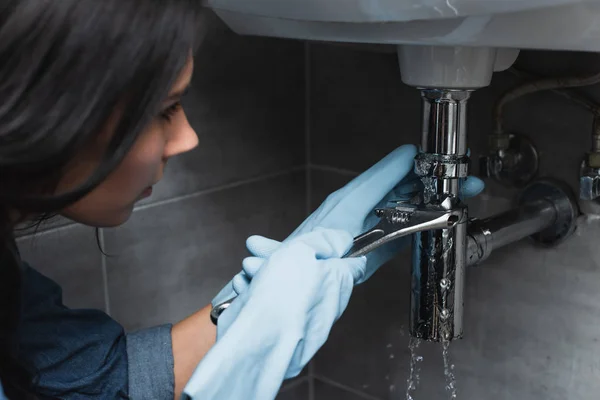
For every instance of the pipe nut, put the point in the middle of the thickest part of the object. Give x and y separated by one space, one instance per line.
589 187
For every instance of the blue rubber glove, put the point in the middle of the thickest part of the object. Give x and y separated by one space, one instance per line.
234 287
279 323
351 208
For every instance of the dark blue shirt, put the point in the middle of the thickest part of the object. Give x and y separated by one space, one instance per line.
85 354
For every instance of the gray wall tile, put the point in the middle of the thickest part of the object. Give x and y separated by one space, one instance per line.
298 391
358 103
247 106
325 391
71 257
170 260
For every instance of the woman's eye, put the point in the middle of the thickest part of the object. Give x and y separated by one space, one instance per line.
168 113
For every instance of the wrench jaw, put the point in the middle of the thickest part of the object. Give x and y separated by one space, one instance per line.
405 219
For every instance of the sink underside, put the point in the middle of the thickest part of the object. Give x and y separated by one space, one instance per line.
524 24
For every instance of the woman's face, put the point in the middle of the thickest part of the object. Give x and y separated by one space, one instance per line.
112 202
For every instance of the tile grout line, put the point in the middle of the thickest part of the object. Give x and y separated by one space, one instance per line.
346 388
47 231
341 171
104 271
307 130
294 384
308 177
219 188
38 230
202 192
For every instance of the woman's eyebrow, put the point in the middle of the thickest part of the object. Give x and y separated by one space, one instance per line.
178 94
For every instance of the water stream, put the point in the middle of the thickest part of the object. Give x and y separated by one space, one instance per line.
412 383
449 370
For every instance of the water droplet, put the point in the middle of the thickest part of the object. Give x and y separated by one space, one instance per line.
391 356
448 368
392 388
413 378
429 187
389 346
444 314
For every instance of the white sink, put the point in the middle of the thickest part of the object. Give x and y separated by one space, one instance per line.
524 24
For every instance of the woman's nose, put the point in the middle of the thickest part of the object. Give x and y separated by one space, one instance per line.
182 139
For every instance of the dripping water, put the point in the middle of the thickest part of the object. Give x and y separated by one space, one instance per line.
429 188
449 370
412 383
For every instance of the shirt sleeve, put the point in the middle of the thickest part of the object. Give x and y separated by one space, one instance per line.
75 354
151 369
85 354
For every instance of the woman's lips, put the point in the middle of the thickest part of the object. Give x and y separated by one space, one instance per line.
147 192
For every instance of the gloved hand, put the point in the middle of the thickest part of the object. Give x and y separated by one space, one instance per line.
279 323
351 208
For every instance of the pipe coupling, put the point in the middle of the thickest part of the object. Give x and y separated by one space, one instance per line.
480 242
441 166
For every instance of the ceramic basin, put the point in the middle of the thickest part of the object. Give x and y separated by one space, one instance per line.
523 24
